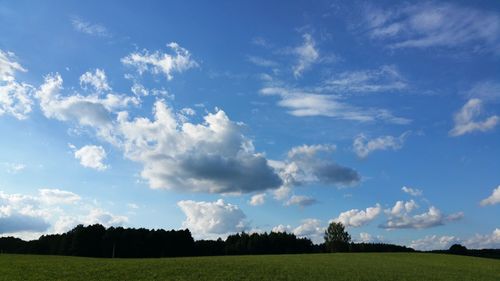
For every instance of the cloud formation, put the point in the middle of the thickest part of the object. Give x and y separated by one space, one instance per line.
363 146
159 62
384 79
214 156
88 28
357 218
312 164
306 53
92 156
465 119
493 199
401 217
301 201
15 97
304 103
208 219
258 199
412 191
435 24
97 80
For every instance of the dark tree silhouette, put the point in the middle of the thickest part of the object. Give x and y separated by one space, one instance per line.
337 238
458 249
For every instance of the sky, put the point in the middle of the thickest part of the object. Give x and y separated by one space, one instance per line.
229 116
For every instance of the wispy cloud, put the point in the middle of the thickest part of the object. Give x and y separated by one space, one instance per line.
306 53
303 103
86 27
466 119
363 146
435 24
386 78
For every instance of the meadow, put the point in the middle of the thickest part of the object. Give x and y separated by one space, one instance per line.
338 266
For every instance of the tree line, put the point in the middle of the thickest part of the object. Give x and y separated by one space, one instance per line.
98 241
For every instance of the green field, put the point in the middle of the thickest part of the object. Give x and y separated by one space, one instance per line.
355 266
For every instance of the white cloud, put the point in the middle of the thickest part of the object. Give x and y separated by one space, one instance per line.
436 24
412 191
307 54
301 200
57 196
434 242
478 241
365 237
92 156
493 199
214 156
21 213
89 110
400 217
206 219
159 62
384 79
282 228
258 199
13 168
104 217
97 80
465 119
282 192
89 28
363 146
357 218
15 97
402 207
262 61
491 241
303 103
310 228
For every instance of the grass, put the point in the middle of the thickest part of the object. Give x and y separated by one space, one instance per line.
355 266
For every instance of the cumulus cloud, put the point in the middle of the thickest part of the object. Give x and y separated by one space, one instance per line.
491 241
15 97
94 110
257 199
206 219
214 156
434 242
357 218
465 119
365 237
97 80
164 63
307 54
493 199
92 156
435 24
301 200
57 196
304 103
313 164
401 217
478 241
364 146
21 213
412 191
384 79
88 28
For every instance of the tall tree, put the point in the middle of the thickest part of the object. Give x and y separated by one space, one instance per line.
337 238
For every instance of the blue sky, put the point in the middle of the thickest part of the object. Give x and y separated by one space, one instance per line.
226 116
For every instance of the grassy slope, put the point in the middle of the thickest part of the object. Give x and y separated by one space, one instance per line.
376 266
